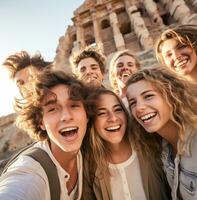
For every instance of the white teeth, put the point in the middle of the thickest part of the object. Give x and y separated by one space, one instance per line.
145 117
68 129
113 128
181 63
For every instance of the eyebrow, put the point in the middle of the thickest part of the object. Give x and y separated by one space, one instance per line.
49 102
104 108
141 94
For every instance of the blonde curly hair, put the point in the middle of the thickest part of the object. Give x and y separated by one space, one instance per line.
179 94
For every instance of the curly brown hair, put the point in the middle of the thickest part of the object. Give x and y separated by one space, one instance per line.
30 109
89 52
185 34
21 60
180 95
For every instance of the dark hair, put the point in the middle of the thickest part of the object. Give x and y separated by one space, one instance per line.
21 60
29 109
90 52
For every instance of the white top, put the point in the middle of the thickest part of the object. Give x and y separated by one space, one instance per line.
126 181
26 179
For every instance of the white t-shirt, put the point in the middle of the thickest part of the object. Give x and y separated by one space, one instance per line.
26 179
126 181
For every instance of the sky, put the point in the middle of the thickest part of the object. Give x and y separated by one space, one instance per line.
31 25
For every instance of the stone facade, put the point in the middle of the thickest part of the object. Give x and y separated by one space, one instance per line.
119 24
111 25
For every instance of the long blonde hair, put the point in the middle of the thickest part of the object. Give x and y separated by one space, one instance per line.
179 94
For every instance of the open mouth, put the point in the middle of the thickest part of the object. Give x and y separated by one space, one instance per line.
69 132
181 64
146 118
113 128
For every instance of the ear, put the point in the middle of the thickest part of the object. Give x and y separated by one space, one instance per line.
42 126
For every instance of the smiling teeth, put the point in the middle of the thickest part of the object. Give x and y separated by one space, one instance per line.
68 129
148 116
113 128
181 63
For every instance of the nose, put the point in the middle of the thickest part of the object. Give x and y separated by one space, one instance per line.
124 68
140 107
66 115
89 70
112 117
176 54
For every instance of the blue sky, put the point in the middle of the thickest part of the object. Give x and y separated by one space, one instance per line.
31 25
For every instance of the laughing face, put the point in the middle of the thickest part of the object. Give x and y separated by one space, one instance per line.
110 121
179 57
88 70
65 120
148 106
125 67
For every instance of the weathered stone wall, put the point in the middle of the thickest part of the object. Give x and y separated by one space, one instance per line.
112 25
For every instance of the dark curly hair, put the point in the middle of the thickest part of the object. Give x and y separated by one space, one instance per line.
29 109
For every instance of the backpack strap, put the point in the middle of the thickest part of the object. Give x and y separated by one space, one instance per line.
47 164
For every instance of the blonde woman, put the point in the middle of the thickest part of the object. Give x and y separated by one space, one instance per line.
122 66
177 49
164 104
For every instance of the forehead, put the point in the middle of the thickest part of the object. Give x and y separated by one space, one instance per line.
125 58
57 93
106 100
139 87
87 61
169 44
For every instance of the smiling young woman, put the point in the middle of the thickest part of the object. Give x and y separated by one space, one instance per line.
165 104
177 49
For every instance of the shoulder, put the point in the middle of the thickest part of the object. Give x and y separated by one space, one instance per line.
24 179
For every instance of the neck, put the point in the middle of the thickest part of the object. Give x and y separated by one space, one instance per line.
193 75
122 92
170 133
68 161
120 152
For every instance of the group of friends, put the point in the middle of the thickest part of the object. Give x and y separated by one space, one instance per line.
137 142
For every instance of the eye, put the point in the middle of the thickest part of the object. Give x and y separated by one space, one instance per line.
20 82
132 104
181 46
168 55
149 96
101 113
83 69
118 109
94 67
52 109
130 64
119 65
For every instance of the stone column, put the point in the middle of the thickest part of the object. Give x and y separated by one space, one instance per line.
119 40
139 26
62 53
180 11
152 10
97 32
80 43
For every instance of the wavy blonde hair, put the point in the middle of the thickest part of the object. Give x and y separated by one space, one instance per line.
112 67
179 94
184 34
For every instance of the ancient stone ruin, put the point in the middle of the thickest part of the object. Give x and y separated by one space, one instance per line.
111 25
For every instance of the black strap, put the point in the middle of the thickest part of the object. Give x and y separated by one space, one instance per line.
47 164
